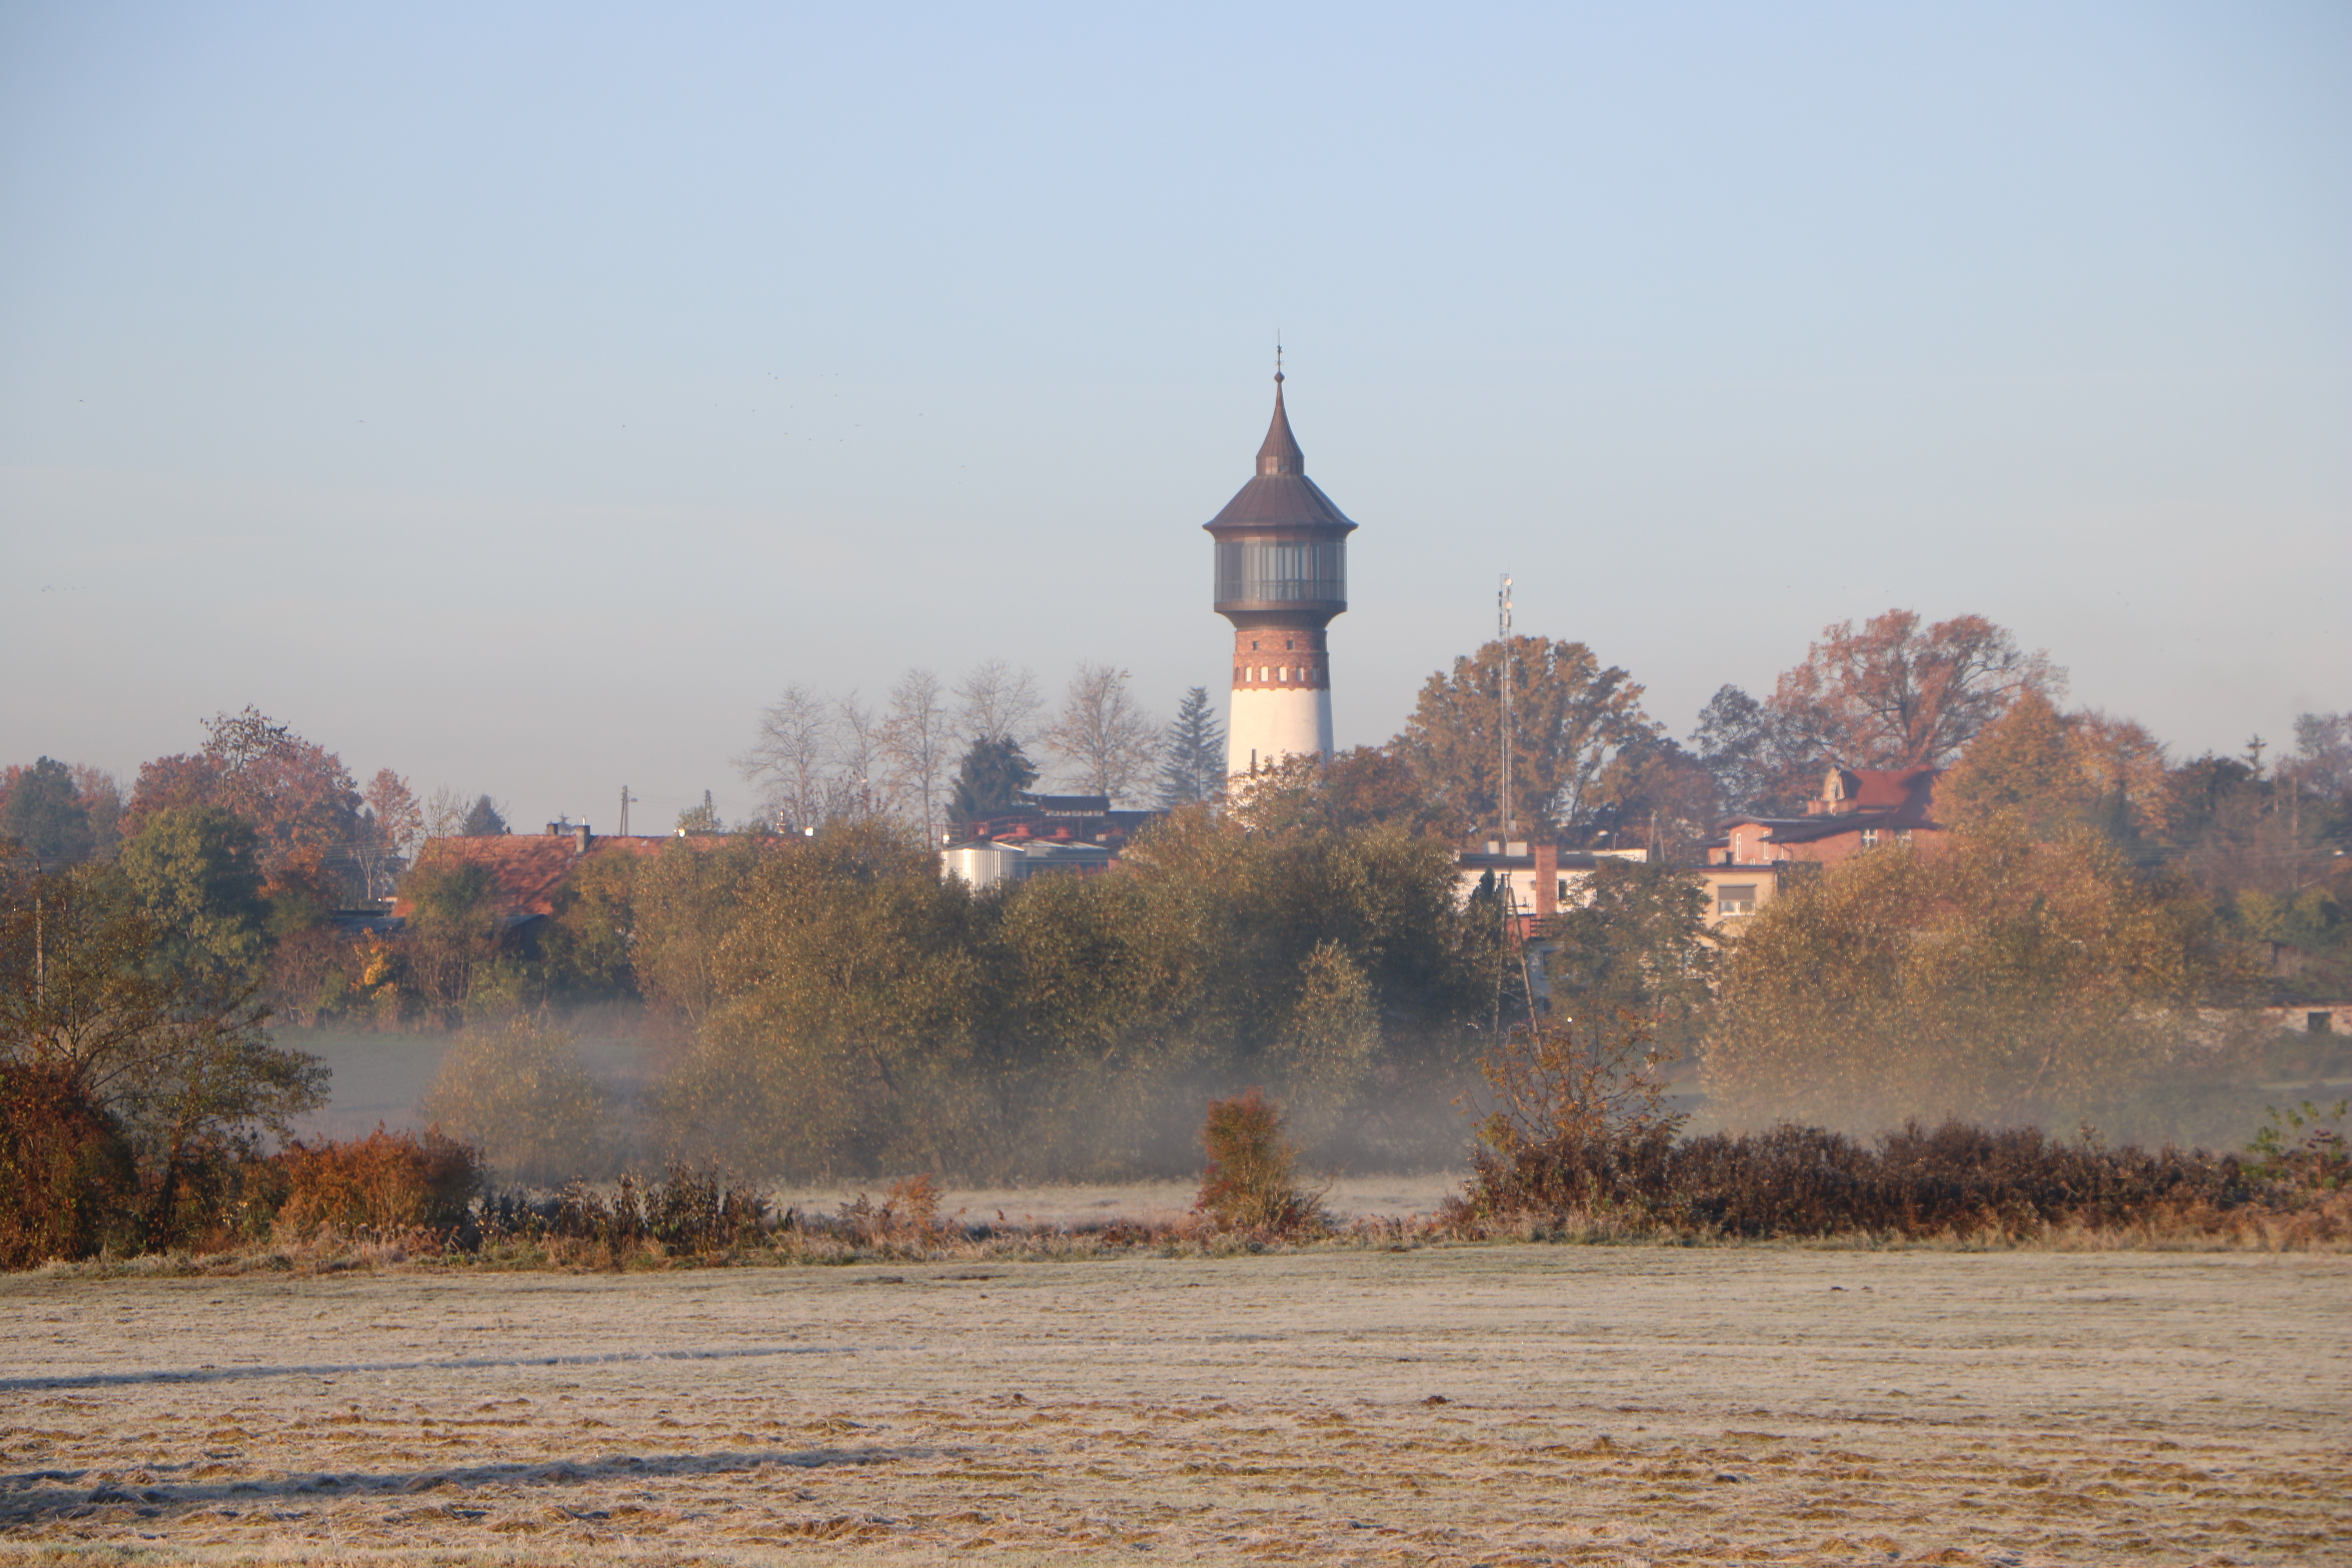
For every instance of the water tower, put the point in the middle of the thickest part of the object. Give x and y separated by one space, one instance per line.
1282 574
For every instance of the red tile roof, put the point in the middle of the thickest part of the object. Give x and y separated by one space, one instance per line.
1890 789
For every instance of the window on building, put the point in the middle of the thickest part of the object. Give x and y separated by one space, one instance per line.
2319 1023
1870 838
1261 572
1734 898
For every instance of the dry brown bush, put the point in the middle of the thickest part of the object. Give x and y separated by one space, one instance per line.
67 1177
387 1185
691 1213
909 1215
1252 1180
1912 1183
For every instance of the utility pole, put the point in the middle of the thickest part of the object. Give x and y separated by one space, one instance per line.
1503 637
626 798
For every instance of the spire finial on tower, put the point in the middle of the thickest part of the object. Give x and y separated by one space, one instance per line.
1280 455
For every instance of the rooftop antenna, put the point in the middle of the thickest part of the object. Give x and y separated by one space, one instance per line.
626 798
1502 636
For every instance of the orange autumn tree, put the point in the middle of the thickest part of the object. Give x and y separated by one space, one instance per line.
1896 694
296 794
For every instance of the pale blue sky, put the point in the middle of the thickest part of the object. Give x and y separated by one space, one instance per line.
520 397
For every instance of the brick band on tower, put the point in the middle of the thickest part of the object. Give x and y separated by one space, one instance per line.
1281 576
1272 657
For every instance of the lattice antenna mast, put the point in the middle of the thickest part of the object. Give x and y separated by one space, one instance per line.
1502 636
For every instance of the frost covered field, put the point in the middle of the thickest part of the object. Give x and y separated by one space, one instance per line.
1470 1404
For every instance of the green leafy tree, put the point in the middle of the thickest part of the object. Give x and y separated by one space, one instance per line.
174 1051
590 945
453 936
1569 717
687 905
43 811
1748 757
1193 756
521 1095
1635 943
1331 1040
101 796
2322 762
851 1011
197 869
838 1021
1365 787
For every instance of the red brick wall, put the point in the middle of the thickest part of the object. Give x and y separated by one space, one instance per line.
1280 657
1846 846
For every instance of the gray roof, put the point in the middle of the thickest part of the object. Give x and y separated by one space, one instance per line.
1281 495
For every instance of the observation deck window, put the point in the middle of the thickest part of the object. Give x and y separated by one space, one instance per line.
1274 571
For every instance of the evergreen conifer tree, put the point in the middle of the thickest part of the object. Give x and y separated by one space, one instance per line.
1194 768
990 779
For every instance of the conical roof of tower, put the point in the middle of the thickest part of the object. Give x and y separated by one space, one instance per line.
1281 495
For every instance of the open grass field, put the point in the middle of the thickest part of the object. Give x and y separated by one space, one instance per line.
1506 1404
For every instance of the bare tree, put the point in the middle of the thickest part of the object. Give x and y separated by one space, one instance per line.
791 759
915 742
861 786
445 813
997 702
1105 743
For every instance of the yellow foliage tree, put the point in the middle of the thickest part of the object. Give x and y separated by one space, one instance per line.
1999 978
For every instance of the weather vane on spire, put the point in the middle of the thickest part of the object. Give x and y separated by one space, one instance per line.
1277 353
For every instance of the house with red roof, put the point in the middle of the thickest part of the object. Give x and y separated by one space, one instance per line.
1858 810
527 871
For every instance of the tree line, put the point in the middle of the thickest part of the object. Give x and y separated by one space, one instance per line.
838 1007
933 754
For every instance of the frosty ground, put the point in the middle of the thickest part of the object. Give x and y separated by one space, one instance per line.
1493 1404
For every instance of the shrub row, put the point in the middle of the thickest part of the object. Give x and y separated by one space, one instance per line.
1911 1183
